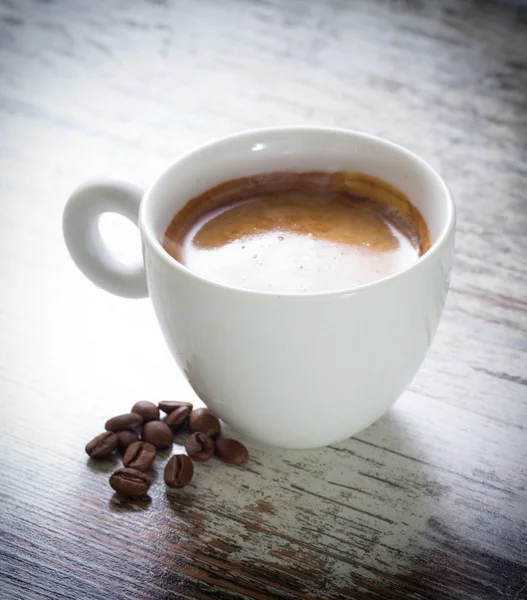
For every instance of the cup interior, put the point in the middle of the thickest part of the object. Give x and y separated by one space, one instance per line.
300 149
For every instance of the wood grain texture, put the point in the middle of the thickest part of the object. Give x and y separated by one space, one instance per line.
428 503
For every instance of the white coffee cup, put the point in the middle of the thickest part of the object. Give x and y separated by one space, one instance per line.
291 370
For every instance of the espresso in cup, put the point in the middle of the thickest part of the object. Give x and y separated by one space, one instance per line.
298 232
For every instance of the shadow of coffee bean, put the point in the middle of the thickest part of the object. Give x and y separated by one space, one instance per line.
119 503
163 455
180 437
181 496
154 474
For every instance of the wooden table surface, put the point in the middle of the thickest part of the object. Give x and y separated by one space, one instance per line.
431 501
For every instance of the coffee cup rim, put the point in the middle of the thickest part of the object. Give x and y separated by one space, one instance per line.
155 245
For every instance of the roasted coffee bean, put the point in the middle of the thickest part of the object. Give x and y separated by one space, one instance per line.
231 451
130 482
178 471
158 434
201 419
148 410
127 421
102 445
125 438
177 417
199 446
167 406
139 455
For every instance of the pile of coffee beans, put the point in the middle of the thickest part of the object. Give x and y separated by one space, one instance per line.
139 434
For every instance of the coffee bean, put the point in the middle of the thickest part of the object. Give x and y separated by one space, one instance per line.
147 410
130 482
231 451
201 419
127 421
167 406
102 445
125 438
139 455
177 417
178 471
199 446
158 434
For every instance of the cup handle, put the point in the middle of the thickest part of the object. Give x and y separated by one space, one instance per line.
80 224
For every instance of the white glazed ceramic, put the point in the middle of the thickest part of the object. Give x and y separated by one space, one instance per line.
292 370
